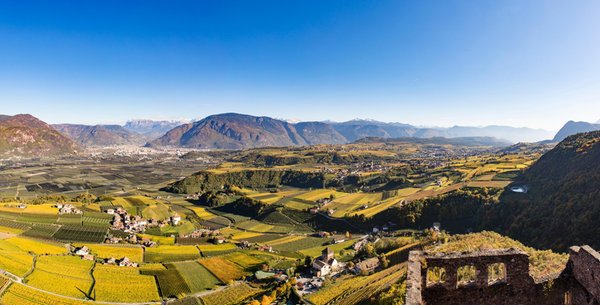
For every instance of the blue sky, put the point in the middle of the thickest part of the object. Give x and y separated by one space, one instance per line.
434 63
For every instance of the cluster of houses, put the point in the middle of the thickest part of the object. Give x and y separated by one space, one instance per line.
130 238
67 209
244 244
326 264
84 253
136 224
199 233
124 222
320 204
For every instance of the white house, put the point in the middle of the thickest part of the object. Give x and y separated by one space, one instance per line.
82 251
326 263
175 219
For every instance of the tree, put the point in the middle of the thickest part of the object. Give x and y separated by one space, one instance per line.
265 300
308 261
368 250
383 261
350 265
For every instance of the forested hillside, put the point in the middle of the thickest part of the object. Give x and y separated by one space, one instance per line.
562 206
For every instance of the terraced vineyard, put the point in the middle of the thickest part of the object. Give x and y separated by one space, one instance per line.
359 288
222 269
123 284
133 252
171 254
171 282
23 295
196 276
65 275
230 296
74 233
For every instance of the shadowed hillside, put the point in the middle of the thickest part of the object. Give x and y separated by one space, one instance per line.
562 205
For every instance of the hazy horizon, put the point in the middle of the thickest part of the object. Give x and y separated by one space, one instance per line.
513 63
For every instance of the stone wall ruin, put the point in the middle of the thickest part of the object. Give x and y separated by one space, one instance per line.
500 277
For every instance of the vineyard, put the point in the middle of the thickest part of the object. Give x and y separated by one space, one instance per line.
196 276
45 231
212 250
231 295
133 252
171 282
353 290
74 233
37 247
171 254
123 284
23 295
222 269
244 260
65 275
15 262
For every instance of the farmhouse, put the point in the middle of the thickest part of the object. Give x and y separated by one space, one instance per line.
175 219
326 263
82 251
367 265
219 239
126 262
265 248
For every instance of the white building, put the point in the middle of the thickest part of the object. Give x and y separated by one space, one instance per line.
326 263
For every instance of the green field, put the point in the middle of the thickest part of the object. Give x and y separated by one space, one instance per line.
196 276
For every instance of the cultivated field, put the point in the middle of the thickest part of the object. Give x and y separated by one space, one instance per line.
123 284
171 254
222 269
65 275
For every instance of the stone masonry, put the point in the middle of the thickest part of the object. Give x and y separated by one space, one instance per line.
578 284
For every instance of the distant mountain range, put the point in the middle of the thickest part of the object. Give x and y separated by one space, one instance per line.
357 129
459 141
23 135
134 132
233 130
238 131
100 135
572 128
151 129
